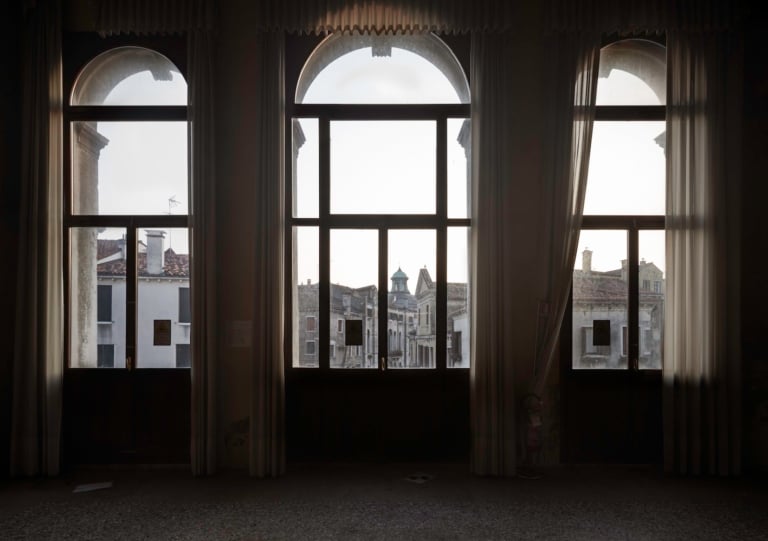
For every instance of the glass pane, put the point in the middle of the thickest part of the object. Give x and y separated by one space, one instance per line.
130 76
382 69
411 316
306 297
632 72
651 282
164 300
97 297
129 168
306 165
354 298
627 169
600 293
459 148
383 167
459 317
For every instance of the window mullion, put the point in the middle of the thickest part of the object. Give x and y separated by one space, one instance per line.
634 298
324 307
441 304
131 306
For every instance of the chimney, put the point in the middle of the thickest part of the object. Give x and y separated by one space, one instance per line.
155 251
586 260
309 281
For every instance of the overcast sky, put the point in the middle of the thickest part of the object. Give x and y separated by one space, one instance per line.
384 167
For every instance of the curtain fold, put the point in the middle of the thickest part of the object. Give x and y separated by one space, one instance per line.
702 362
267 431
574 81
492 397
39 333
202 226
385 16
155 16
645 16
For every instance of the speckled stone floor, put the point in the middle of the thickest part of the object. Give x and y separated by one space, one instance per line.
388 502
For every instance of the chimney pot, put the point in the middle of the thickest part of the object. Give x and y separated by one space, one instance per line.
155 251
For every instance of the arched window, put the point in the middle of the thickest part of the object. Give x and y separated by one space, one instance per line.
126 212
617 321
379 163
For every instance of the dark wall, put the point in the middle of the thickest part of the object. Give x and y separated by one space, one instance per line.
10 163
755 243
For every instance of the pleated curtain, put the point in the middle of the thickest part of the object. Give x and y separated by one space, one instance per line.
196 19
267 425
574 74
39 334
702 360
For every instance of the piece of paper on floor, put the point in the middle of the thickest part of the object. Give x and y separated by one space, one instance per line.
89 487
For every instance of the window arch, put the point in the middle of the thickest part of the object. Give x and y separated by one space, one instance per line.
379 168
126 211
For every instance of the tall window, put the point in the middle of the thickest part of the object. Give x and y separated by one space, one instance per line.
378 203
621 246
126 210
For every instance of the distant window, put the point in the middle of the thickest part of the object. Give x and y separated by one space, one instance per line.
340 326
647 285
311 323
185 313
310 347
183 357
105 356
657 286
104 309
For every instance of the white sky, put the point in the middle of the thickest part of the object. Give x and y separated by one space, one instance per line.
384 166
143 168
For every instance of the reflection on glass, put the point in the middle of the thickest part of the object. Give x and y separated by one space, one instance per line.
383 167
600 295
459 148
354 298
306 297
651 282
129 168
306 165
97 297
411 315
130 76
632 72
627 169
164 307
459 317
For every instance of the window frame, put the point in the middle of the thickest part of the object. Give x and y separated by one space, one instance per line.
78 49
633 225
298 51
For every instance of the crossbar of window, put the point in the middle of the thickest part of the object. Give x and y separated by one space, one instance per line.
380 112
105 113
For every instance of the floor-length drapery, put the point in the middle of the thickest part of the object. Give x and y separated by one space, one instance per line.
267 430
702 363
574 84
38 357
202 226
492 397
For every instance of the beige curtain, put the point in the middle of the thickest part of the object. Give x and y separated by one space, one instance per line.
377 16
574 82
202 226
196 18
702 362
492 397
267 426
39 338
